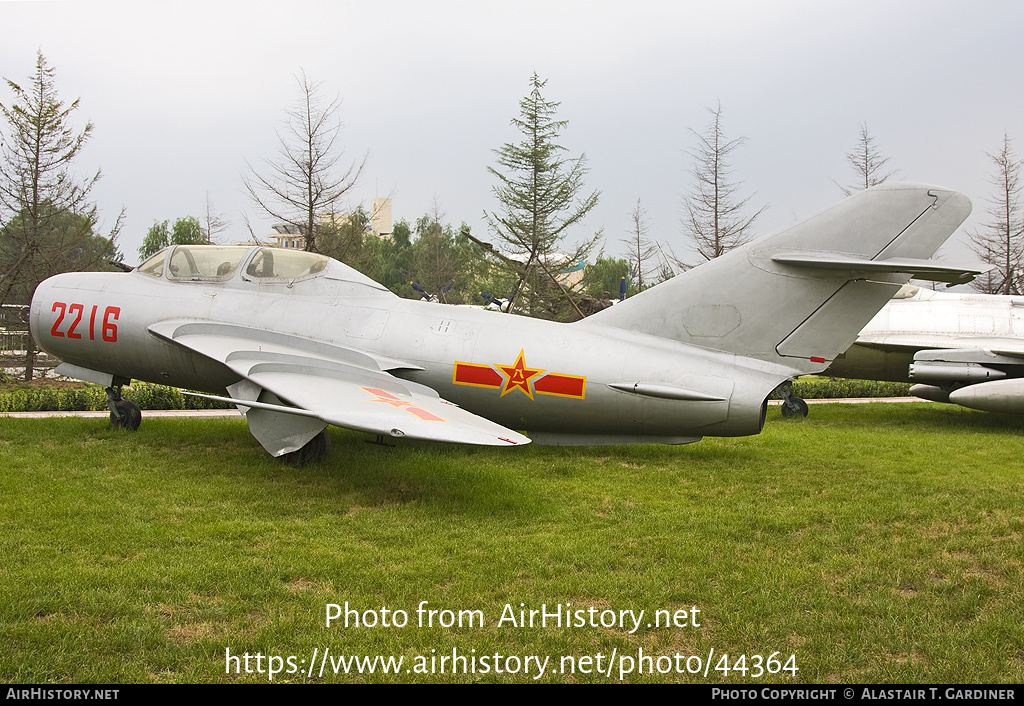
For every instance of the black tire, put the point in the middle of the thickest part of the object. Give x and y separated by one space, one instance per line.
316 449
794 407
801 407
129 417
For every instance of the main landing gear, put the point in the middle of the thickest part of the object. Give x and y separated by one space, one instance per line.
792 406
124 414
316 449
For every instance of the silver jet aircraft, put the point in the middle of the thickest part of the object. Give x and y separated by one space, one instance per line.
299 341
967 349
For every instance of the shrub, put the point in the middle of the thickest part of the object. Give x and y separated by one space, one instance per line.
838 388
94 398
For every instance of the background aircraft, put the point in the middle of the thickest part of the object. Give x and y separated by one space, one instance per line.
300 341
962 348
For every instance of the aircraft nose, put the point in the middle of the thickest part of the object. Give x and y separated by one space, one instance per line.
41 300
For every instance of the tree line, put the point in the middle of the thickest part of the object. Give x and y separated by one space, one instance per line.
49 224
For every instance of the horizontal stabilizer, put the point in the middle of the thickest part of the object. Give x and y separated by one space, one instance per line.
930 270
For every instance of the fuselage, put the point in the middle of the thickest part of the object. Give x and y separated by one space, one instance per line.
922 319
574 379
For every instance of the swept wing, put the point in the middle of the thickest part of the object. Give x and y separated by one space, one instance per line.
317 383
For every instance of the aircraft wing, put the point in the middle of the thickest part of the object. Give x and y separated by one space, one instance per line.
911 342
330 383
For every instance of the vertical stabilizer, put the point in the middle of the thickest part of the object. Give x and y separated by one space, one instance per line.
801 295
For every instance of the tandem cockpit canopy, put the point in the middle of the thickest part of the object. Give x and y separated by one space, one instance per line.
276 263
221 262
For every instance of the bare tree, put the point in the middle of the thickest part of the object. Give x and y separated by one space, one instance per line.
305 180
1000 241
642 250
213 222
714 215
867 161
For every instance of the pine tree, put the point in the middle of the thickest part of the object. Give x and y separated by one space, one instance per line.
541 195
49 222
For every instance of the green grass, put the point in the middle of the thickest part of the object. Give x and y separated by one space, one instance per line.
877 543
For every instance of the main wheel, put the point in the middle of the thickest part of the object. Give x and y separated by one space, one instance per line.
129 415
316 449
794 407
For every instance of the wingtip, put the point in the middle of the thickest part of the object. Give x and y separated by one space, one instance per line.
522 441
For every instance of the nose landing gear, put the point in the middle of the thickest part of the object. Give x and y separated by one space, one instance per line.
124 414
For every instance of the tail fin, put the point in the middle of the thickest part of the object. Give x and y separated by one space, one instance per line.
800 296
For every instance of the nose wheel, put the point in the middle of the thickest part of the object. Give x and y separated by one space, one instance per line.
124 414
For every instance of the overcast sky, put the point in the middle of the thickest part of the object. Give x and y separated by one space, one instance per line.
183 94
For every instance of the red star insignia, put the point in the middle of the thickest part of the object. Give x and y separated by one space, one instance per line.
519 376
386 398
389 399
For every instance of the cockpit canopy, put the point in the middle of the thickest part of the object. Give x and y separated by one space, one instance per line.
276 263
219 263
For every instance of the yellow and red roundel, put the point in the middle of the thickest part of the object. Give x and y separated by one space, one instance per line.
519 376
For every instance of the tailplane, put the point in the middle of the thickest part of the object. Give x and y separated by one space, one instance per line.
800 296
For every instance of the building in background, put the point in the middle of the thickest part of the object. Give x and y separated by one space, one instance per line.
380 217
286 235
290 236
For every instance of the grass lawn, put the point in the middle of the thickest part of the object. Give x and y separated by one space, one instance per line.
876 543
